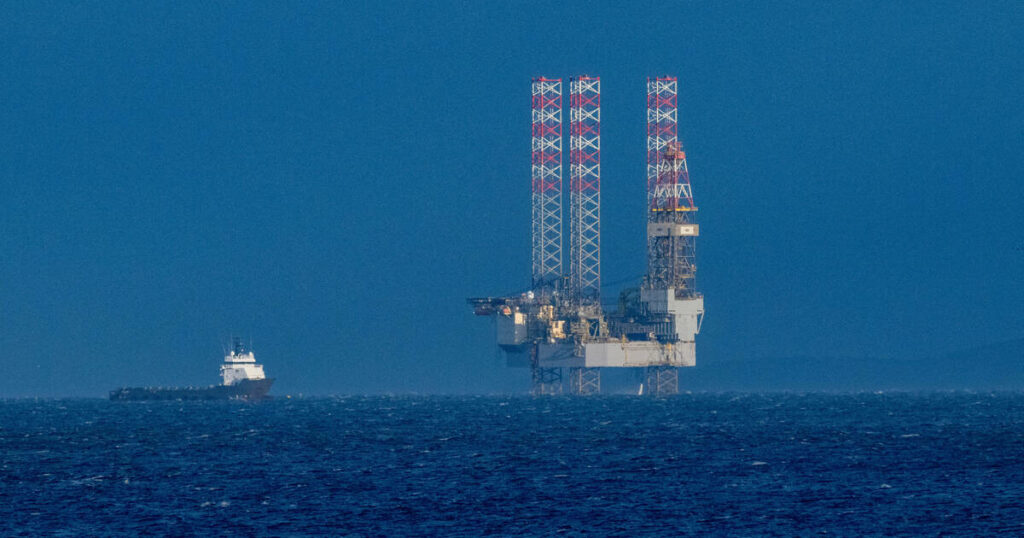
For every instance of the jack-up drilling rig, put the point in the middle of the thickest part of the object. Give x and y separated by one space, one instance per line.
558 328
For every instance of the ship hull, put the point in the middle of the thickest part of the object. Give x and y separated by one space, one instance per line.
248 389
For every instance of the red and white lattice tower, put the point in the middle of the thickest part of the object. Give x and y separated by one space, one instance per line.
547 184
585 193
671 214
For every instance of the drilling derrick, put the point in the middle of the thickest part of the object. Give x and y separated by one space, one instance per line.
558 327
668 296
671 226
547 185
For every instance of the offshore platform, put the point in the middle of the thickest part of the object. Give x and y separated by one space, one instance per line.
558 328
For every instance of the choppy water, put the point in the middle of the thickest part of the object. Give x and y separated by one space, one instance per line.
729 464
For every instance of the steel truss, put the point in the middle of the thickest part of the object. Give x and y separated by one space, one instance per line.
670 254
584 381
585 194
547 184
546 381
661 380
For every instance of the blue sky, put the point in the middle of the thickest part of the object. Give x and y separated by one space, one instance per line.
333 179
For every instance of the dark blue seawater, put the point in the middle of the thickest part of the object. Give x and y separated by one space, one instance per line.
771 464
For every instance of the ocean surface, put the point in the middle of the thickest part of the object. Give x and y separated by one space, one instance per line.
732 464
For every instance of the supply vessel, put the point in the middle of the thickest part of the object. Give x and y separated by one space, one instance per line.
242 378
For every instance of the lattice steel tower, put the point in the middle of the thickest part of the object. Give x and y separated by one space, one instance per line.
671 214
547 184
585 194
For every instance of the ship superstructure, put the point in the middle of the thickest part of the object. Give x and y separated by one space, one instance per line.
558 329
239 365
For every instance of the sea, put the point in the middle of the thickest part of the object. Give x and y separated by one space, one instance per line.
774 464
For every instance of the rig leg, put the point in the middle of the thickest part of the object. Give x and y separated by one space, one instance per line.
546 381
662 380
583 381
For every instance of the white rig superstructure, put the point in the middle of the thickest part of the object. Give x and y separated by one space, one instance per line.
240 365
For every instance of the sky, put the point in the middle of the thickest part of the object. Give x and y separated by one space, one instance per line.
332 180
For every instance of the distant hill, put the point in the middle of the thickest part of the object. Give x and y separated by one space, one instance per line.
998 366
